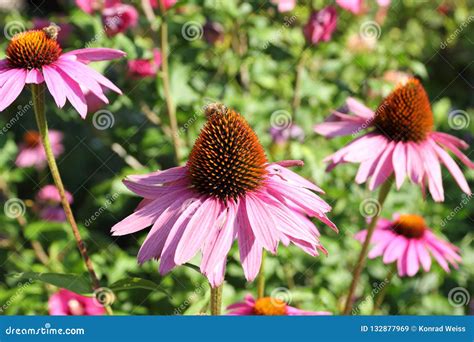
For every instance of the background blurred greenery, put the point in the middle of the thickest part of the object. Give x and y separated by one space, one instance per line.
253 69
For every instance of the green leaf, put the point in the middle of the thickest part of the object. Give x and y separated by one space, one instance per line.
137 283
34 230
73 282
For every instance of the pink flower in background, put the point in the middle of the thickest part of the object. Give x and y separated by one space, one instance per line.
139 68
401 141
357 6
226 191
90 6
321 25
49 203
213 32
65 29
167 4
409 242
31 151
119 18
36 57
67 303
285 5
268 306
281 135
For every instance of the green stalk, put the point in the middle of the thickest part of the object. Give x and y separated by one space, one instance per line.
216 300
261 279
39 107
384 190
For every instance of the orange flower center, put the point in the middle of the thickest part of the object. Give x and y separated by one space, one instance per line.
268 306
32 49
405 114
227 159
31 138
411 226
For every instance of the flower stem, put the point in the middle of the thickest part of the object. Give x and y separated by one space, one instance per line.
171 109
381 295
261 279
39 107
216 300
384 190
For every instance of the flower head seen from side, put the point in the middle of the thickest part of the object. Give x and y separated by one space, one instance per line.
67 303
321 25
31 151
227 190
268 306
35 56
400 141
409 242
49 204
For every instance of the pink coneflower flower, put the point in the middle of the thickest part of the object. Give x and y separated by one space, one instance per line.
226 191
35 57
284 5
119 18
401 141
281 134
268 306
357 6
67 303
49 203
321 25
140 68
31 151
167 4
409 242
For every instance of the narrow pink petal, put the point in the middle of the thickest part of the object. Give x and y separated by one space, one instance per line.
400 163
359 109
365 148
74 93
451 139
384 167
291 177
439 258
34 76
12 88
395 249
151 192
433 171
402 265
412 258
96 54
160 177
367 168
423 255
55 85
249 248
339 125
379 248
261 221
448 143
6 74
452 167
203 221
415 166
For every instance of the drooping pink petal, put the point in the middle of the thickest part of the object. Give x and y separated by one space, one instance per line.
292 178
74 93
450 145
395 249
34 76
412 259
261 221
400 163
160 177
384 167
249 248
423 255
6 74
433 171
95 54
203 221
55 84
415 166
12 88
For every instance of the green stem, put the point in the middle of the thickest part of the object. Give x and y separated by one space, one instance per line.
384 190
171 109
39 106
216 300
261 278
381 294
